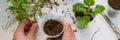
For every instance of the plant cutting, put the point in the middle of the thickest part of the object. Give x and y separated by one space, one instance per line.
84 13
25 9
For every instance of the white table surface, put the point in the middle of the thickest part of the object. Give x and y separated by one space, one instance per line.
105 32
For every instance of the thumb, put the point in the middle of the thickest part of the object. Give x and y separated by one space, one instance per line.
32 30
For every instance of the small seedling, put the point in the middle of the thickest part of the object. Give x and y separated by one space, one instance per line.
84 13
25 9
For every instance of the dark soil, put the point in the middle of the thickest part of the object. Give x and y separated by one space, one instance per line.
52 27
80 14
91 18
115 4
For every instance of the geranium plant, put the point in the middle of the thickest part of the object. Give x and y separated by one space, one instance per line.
25 9
84 13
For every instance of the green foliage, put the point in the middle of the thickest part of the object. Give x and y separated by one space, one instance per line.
83 21
11 8
79 7
98 9
8 0
21 7
41 0
20 17
89 2
86 10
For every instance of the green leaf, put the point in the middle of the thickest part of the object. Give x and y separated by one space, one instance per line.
41 0
83 21
25 6
22 8
93 14
11 8
8 0
99 8
89 2
23 1
20 17
79 7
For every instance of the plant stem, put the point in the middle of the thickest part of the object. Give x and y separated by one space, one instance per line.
88 10
28 19
34 12
26 16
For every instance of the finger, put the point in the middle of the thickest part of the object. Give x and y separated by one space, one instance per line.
49 38
19 30
73 35
33 30
67 27
68 32
28 23
27 26
21 26
33 21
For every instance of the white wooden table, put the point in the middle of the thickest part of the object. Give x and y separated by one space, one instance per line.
104 31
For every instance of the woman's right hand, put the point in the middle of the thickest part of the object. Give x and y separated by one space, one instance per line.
68 33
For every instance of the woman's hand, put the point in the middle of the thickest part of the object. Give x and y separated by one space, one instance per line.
20 31
19 34
68 33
